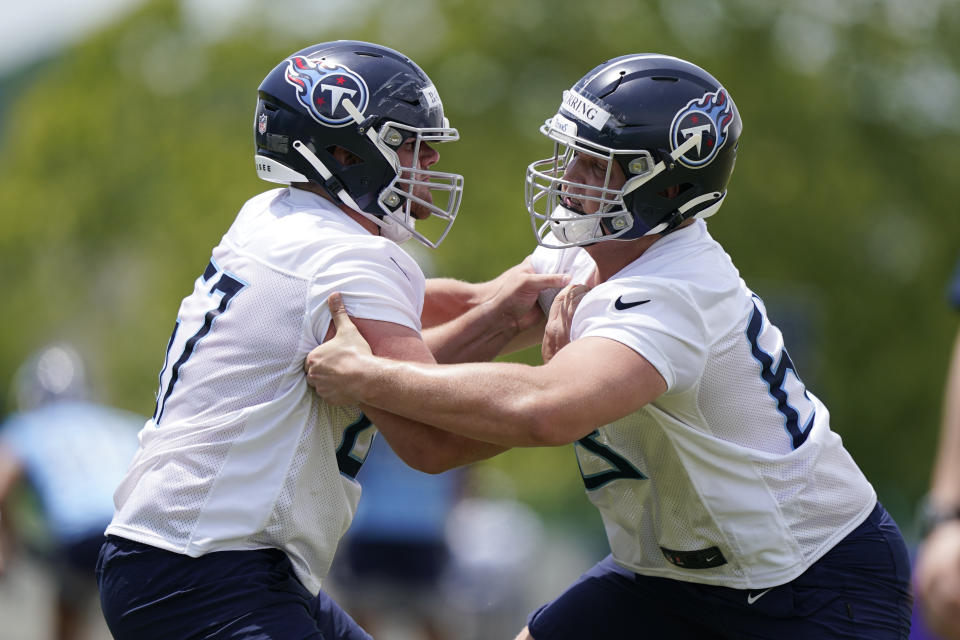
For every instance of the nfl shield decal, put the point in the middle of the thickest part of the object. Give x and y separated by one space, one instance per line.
322 89
710 116
262 123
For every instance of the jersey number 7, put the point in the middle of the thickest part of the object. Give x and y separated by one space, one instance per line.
227 285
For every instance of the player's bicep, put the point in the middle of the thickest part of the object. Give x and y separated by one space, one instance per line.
390 340
421 446
599 380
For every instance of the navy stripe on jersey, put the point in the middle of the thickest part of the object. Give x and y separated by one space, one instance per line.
775 379
350 464
229 286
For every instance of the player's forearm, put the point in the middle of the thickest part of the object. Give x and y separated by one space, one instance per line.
945 487
501 403
427 448
446 299
478 335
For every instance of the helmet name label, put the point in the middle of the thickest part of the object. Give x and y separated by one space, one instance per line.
584 109
431 97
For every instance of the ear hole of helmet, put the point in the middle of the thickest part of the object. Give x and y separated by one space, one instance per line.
343 156
674 191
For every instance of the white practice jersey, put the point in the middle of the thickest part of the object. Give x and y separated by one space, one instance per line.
241 453
733 476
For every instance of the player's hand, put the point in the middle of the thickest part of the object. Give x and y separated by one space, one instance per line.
329 367
937 580
557 333
514 293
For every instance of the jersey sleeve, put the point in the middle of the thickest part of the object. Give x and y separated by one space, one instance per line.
377 281
654 319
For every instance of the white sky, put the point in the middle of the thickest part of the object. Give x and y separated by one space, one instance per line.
33 28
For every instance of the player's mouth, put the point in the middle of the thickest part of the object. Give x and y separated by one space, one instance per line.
573 204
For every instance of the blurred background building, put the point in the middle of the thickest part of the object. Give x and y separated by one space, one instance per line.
125 151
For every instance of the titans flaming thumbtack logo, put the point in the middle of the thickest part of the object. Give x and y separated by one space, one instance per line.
322 87
709 116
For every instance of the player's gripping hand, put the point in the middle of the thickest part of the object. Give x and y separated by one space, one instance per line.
937 580
514 293
331 368
557 333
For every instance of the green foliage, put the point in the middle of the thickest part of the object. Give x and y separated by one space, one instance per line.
127 157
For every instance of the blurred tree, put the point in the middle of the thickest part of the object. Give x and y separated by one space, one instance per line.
127 156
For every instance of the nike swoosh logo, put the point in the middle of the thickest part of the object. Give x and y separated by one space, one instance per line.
753 598
621 305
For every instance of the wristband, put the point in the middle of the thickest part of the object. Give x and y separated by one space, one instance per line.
931 517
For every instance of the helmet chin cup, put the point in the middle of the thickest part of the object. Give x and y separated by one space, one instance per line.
574 228
393 229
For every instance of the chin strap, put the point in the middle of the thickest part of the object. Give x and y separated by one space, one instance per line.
680 214
389 227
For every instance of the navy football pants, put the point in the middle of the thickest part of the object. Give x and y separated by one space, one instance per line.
859 590
149 593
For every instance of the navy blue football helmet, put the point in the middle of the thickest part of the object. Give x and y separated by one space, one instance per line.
369 100
669 125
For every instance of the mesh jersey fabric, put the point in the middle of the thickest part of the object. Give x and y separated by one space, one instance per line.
241 454
737 454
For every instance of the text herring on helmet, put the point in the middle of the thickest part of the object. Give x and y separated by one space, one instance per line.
670 126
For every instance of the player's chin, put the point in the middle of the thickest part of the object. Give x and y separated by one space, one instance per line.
420 211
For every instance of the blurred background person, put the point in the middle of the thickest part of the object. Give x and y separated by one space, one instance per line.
66 454
388 574
448 556
937 573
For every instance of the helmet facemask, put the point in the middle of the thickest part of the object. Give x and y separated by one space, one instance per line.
414 191
417 194
557 225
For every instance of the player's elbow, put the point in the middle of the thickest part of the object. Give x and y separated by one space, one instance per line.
423 459
543 428
544 433
437 454
432 464
553 425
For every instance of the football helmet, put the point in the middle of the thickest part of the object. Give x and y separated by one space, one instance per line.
368 100
671 128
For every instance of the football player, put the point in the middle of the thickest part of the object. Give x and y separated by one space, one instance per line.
731 507
938 560
69 452
245 480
